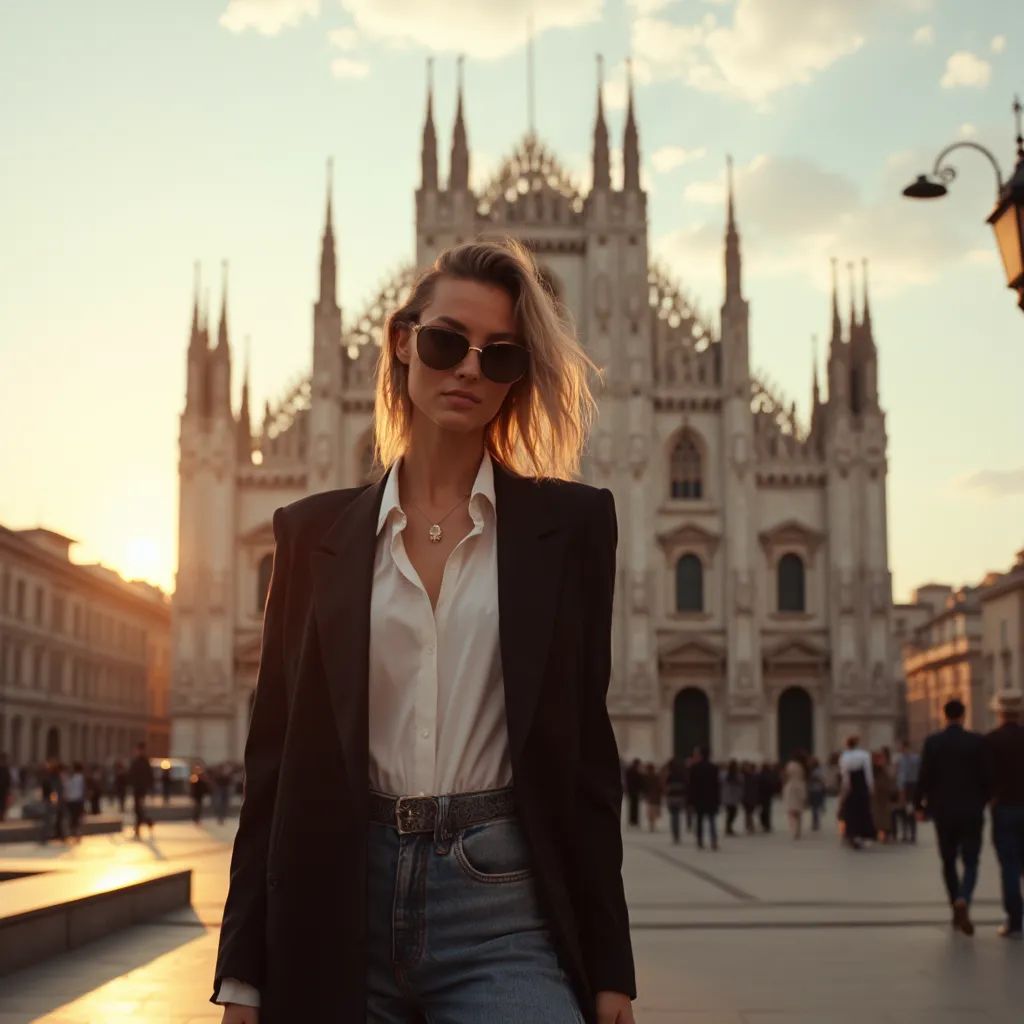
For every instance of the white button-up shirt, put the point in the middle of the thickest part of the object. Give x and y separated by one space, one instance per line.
437 697
437 702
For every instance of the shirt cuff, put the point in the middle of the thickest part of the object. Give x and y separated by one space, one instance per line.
234 991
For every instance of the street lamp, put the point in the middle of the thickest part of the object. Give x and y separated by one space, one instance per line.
1007 218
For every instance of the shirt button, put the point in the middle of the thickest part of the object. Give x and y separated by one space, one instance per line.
430 648
424 733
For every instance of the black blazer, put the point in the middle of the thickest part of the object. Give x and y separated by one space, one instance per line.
954 782
294 923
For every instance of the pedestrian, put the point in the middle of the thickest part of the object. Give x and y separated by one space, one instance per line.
732 795
634 791
166 782
94 788
855 788
221 792
675 795
817 789
794 792
750 796
654 792
953 787
881 795
906 783
198 788
5 785
767 787
389 863
140 777
74 800
706 796
1005 746
120 784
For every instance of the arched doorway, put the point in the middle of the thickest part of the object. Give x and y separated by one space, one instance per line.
796 722
692 721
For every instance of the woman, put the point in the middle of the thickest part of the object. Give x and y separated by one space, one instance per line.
751 796
429 737
855 788
816 791
794 792
881 795
732 795
654 792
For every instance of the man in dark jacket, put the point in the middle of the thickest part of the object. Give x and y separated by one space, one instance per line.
140 778
705 795
1006 755
634 790
953 788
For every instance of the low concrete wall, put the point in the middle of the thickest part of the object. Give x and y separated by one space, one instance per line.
28 830
52 912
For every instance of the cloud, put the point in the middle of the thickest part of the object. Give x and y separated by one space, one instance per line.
998 44
483 31
924 36
967 130
795 215
346 67
616 84
993 483
966 69
268 17
344 38
767 46
668 158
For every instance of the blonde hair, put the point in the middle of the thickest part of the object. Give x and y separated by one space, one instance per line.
546 416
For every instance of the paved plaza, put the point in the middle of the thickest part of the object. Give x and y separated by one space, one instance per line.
766 930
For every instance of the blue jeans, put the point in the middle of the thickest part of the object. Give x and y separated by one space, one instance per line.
456 933
1008 837
959 838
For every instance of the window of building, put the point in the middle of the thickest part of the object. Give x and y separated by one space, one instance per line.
685 468
689 584
19 599
39 605
791 589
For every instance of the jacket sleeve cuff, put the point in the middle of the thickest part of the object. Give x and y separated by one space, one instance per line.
232 990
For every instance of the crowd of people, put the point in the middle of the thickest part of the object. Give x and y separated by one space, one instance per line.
881 797
61 794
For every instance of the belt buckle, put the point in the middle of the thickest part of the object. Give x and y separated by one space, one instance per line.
405 809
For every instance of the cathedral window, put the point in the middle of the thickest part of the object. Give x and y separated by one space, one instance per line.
685 468
263 581
689 584
791 589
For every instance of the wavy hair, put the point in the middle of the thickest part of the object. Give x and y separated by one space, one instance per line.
543 423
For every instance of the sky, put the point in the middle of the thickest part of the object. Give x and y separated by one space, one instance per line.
141 138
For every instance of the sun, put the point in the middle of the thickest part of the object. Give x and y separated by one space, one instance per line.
144 559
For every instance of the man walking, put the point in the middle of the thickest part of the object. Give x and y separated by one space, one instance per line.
953 787
1006 753
140 777
705 795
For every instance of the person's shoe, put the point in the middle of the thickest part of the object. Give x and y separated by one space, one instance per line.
1004 931
962 917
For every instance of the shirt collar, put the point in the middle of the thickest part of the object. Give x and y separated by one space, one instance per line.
483 487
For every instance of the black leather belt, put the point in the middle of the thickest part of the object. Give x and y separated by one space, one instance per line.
419 813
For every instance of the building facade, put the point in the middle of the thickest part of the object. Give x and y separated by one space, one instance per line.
753 604
84 655
1002 631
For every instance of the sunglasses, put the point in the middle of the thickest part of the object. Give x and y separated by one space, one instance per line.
441 348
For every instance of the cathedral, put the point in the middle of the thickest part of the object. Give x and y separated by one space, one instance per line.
753 603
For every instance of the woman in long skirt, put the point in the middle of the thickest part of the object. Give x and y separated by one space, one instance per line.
856 785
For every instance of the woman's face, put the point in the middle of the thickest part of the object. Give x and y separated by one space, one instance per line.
460 399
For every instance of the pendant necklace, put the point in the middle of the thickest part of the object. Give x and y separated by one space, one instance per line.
435 533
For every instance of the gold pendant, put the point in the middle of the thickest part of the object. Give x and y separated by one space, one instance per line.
435 533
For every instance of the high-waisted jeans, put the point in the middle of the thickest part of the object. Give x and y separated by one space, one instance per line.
456 934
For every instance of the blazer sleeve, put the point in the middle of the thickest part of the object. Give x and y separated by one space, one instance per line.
596 888
242 941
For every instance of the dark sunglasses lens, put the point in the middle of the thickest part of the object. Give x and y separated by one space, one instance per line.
440 349
504 363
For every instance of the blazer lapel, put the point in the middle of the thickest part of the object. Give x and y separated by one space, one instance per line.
530 548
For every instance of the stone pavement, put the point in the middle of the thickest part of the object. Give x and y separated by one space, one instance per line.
766 931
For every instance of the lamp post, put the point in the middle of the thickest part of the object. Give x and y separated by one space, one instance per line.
1006 218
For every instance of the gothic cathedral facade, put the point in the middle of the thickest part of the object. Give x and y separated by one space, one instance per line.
753 604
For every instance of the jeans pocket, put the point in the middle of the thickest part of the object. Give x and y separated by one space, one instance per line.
495 852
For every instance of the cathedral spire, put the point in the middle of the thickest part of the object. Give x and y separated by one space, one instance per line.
328 266
733 265
853 301
602 172
194 338
428 156
222 327
815 391
866 311
458 176
244 431
630 142
837 327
